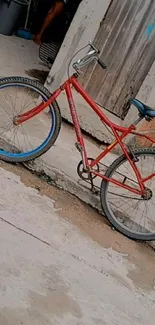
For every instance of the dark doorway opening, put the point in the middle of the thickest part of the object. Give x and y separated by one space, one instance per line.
56 32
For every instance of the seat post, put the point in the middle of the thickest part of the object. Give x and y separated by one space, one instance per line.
140 118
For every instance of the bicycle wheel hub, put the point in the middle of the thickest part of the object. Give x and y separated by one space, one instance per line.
15 120
147 195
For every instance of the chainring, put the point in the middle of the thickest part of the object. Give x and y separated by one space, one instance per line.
87 175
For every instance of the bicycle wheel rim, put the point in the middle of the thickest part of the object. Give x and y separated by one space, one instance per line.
39 148
106 205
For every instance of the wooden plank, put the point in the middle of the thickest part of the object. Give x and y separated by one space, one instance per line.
127 51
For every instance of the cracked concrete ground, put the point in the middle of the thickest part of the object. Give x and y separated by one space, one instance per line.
62 264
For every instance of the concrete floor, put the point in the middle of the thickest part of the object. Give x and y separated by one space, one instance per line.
18 57
56 269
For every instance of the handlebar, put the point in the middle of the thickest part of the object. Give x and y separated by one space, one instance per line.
92 55
101 63
94 48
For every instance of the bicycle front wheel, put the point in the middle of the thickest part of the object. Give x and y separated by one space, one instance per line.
129 213
29 140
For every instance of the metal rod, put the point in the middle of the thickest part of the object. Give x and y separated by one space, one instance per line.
28 12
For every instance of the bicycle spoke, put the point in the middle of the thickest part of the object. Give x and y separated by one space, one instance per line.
7 103
27 137
134 212
18 96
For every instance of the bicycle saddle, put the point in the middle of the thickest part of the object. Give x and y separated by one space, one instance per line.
143 109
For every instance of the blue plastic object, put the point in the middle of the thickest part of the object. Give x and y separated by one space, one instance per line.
24 33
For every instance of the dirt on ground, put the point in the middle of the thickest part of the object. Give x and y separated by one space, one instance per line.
94 225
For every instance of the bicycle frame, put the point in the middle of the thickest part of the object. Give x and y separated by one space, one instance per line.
119 132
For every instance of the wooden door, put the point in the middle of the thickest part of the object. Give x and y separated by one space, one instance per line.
126 39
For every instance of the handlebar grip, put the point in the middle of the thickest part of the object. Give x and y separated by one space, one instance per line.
101 63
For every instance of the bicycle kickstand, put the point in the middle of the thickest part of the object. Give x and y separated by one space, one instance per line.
93 189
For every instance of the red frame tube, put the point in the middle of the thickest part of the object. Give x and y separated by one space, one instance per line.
36 110
115 129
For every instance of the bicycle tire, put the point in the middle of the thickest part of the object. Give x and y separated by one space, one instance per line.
54 113
119 226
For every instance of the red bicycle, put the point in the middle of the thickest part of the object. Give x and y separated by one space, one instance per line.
127 186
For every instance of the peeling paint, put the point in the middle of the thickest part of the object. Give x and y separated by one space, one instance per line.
150 29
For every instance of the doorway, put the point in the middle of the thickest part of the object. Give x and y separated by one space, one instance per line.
56 31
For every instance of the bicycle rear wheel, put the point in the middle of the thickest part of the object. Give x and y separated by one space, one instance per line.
129 213
35 136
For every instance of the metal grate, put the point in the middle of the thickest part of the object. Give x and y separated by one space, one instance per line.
48 52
